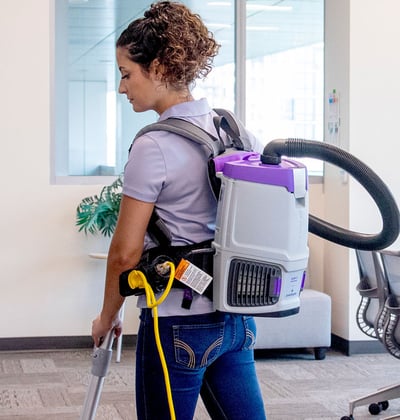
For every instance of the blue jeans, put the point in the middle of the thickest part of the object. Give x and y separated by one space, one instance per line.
211 354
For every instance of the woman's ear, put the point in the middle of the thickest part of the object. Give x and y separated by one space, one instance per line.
156 69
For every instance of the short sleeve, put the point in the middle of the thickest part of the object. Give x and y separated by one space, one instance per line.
145 171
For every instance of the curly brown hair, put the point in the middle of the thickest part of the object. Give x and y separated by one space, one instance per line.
176 37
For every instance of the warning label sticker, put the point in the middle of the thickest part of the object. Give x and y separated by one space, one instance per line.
192 276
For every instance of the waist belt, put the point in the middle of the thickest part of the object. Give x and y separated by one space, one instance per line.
201 255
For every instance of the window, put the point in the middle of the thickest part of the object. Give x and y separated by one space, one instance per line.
94 125
284 71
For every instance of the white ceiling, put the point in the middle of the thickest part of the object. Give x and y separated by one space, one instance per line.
94 25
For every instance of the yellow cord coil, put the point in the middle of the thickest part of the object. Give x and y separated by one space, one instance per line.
137 279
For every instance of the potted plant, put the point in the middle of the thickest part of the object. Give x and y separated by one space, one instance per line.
99 213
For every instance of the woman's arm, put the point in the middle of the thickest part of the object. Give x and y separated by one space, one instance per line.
125 251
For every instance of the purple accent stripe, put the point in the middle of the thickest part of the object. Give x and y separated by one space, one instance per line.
303 280
220 161
278 286
251 169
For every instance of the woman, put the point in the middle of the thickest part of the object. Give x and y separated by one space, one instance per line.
159 57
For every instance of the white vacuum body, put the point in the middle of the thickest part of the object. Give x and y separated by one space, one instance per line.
261 236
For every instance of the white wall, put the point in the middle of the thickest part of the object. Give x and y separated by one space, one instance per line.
362 65
49 285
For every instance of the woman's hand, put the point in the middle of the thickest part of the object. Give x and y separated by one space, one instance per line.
100 328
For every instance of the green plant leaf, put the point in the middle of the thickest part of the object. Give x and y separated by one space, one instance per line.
99 213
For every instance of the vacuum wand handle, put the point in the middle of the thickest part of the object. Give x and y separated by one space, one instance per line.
101 359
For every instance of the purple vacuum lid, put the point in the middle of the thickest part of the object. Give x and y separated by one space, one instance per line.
247 167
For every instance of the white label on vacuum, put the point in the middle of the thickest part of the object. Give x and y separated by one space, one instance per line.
192 276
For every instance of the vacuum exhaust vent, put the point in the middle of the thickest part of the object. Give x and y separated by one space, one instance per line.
252 284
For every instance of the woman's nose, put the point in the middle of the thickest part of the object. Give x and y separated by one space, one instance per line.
121 88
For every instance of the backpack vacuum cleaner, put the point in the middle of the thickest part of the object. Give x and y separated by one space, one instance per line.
262 226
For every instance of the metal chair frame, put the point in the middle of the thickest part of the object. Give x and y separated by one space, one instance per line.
376 283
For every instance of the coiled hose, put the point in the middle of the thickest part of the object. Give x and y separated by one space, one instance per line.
377 189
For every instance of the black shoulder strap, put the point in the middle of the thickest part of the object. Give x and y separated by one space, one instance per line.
215 146
227 121
158 231
190 131
235 129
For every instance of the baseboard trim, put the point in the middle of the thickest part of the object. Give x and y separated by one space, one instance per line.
55 343
356 347
85 342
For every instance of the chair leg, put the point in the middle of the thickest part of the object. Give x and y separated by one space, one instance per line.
320 353
119 341
384 394
396 416
119 349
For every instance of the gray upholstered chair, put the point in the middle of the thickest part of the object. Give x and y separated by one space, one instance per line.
310 328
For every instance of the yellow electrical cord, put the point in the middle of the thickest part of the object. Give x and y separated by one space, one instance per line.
137 279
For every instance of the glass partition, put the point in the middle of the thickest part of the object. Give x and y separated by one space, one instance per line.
94 125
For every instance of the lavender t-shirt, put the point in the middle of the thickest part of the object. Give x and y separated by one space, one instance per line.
171 171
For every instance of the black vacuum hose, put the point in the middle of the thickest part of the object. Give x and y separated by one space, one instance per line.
378 190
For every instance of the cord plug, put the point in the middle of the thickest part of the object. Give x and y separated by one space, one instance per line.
131 283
